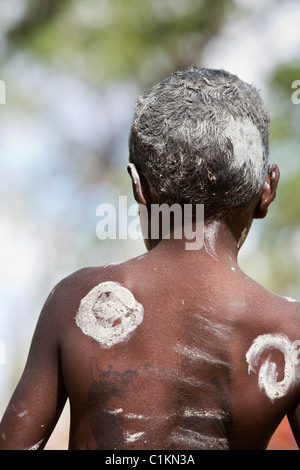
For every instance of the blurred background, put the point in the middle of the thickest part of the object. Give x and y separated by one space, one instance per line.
72 71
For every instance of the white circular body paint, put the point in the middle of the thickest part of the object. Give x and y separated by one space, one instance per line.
109 313
267 375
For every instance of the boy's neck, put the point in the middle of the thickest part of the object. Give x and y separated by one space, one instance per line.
220 242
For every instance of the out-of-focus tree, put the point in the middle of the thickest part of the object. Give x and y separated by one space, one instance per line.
106 49
103 44
114 39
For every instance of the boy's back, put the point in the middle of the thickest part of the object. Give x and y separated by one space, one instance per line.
181 379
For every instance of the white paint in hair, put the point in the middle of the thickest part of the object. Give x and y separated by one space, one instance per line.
267 375
109 314
247 143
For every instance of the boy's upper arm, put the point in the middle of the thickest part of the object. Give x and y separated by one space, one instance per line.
40 394
294 412
294 420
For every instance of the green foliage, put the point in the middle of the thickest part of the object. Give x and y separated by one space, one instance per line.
285 114
117 39
280 236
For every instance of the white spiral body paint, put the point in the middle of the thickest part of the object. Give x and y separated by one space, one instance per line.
267 376
109 313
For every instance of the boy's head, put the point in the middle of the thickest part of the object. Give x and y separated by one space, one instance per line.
201 137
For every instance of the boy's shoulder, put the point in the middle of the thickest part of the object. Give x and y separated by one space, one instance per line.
288 310
269 311
83 280
72 288
279 313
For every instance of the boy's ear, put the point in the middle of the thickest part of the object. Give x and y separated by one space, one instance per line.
269 192
140 186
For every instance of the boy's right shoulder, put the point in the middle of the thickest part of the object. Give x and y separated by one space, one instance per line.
68 293
80 282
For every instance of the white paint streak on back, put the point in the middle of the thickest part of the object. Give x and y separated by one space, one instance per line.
132 437
114 412
204 414
196 440
196 354
215 328
135 416
175 376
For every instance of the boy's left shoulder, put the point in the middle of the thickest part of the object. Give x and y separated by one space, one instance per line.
288 315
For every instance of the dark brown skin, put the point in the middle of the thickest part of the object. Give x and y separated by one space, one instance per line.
192 302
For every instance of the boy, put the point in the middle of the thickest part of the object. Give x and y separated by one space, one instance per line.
176 349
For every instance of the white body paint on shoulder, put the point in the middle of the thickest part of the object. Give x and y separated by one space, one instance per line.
109 313
290 299
267 375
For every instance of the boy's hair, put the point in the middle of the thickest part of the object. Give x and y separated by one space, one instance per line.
201 136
